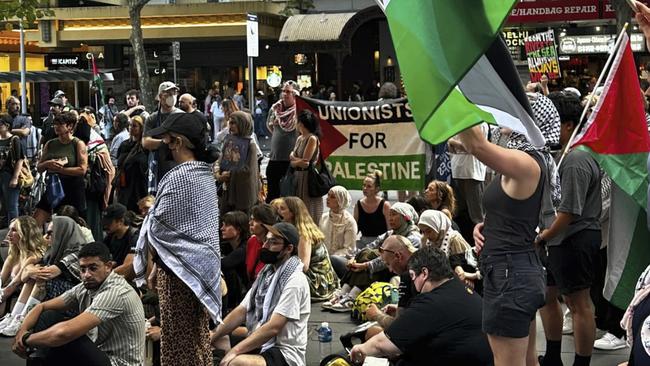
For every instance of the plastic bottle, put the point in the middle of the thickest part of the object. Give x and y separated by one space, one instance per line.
325 340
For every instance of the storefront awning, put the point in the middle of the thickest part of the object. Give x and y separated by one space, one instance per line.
51 76
315 27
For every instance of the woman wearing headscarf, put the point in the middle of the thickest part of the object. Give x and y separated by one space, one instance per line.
182 233
368 266
241 185
340 228
437 232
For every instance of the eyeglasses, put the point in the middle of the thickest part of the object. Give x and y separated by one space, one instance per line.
382 250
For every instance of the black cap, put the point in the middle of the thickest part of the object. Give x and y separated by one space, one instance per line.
186 124
114 211
286 231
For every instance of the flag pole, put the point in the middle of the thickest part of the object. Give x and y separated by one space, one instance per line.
610 59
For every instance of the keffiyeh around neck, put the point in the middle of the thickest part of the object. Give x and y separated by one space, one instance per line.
285 117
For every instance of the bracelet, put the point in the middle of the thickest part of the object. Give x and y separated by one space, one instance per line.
25 337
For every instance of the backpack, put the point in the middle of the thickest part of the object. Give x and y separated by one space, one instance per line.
378 293
96 177
25 177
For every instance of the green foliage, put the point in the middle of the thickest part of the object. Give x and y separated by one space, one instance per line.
297 6
26 11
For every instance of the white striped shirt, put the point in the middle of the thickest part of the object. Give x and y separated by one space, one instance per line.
121 334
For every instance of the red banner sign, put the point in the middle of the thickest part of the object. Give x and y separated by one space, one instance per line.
534 11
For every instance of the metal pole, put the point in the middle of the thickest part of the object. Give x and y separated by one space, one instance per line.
251 84
174 59
76 93
23 83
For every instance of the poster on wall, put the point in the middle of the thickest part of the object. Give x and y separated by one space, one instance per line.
361 137
541 54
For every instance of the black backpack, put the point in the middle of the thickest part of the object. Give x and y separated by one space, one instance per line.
96 177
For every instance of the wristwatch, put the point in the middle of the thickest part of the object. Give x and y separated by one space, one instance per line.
25 336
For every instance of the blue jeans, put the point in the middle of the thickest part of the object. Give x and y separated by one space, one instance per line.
9 196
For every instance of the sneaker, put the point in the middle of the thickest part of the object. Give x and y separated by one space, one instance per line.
333 300
610 342
343 306
567 326
6 320
12 329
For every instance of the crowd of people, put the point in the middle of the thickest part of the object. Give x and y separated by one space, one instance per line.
159 225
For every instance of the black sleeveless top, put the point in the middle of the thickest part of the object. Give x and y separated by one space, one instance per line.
374 223
510 223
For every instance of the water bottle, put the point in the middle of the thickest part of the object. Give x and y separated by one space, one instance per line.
325 340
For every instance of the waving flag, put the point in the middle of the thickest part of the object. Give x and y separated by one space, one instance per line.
616 135
458 76
99 83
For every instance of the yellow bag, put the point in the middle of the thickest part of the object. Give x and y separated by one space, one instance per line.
25 177
379 293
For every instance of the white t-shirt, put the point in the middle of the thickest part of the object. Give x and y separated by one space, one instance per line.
466 166
295 305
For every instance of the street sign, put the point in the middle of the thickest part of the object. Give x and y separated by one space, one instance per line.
63 60
176 50
252 40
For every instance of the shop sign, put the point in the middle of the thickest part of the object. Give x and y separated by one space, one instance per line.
533 11
542 56
597 43
65 60
514 38
608 9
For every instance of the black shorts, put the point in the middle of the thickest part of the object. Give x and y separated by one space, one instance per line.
273 357
514 288
573 263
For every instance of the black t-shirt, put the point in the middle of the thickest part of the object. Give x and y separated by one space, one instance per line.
120 248
163 154
11 150
406 290
442 327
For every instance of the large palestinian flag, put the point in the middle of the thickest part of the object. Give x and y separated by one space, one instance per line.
456 70
616 135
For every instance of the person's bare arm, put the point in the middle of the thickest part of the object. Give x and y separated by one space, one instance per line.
22 132
304 253
643 18
379 345
151 143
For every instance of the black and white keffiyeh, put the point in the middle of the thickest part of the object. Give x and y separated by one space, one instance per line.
266 291
546 116
183 229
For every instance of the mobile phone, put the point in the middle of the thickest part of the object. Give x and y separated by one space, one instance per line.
632 4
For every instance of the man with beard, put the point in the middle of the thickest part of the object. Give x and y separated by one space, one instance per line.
108 330
133 105
275 310
20 123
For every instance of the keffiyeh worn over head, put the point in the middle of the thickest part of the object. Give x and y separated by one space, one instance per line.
342 196
641 293
546 116
266 291
183 230
439 222
284 117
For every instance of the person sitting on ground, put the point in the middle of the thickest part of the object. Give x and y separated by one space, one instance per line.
452 337
235 232
368 266
261 215
26 247
109 329
340 229
441 197
120 239
371 212
71 212
437 232
145 204
323 281
275 310
395 252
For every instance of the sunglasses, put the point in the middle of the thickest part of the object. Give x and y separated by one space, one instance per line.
382 250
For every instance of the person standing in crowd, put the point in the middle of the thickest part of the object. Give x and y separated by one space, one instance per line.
131 177
160 158
228 107
187 103
12 154
20 123
275 310
120 239
452 337
261 110
340 229
65 156
121 124
109 329
512 202
241 185
282 124
238 99
207 103
371 211
573 261
468 176
261 215
323 281
107 115
133 105
305 155
234 235
183 234
56 107
67 107
217 114
441 197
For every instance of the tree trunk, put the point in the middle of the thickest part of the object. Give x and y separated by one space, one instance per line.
137 43
624 13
